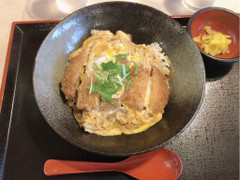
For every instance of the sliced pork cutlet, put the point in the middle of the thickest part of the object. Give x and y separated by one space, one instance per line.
75 69
159 91
71 78
135 95
85 100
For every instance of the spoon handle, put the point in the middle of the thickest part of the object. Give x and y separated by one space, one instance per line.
57 167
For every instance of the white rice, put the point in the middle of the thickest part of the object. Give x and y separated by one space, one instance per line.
94 31
163 60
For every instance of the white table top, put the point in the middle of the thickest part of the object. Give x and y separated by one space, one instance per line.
29 10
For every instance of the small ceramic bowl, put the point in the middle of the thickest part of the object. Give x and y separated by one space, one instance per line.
221 20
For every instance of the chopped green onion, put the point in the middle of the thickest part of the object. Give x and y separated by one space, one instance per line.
126 76
97 67
98 77
90 91
119 56
136 69
129 82
124 69
118 82
110 76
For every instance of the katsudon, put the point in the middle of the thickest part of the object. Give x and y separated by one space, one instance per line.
115 86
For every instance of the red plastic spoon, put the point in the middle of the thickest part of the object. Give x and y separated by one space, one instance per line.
159 164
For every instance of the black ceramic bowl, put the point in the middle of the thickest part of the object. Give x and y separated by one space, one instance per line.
146 25
221 20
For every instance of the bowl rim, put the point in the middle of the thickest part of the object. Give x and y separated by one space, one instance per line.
217 59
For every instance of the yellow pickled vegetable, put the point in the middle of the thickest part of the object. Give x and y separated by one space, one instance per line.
212 42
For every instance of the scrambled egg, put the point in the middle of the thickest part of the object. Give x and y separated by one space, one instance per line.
213 43
139 102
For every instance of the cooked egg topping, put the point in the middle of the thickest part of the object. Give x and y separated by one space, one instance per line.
115 86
